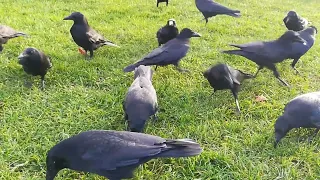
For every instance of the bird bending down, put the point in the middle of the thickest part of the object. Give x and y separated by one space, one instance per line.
114 154
167 32
295 22
267 53
85 36
7 33
209 8
169 53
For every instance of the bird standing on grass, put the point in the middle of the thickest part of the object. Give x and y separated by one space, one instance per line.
302 111
35 62
222 76
85 36
295 22
141 99
167 32
170 53
7 33
267 53
209 8
114 154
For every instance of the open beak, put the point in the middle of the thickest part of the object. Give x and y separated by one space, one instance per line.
67 18
195 34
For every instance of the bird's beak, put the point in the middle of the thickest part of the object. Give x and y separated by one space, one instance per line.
195 34
299 39
67 18
22 55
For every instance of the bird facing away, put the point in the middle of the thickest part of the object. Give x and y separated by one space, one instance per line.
209 8
170 53
167 32
302 111
299 49
85 36
114 154
7 33
295 22
222 76
267 53
160 1
35 62
141 99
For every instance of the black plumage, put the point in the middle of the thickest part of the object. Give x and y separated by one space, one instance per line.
7 33
167 32
170 53
299 49
267 53
141 99
114 154
302 111
85 36
35 62
209 8
160 1
222 76
295 22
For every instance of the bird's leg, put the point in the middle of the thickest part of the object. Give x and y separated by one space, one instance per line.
207 21
91 54
1 48
157 4
314 134
42 82
214 90
167 2
277 75
259 68
293 65
235 95
156 68
181 69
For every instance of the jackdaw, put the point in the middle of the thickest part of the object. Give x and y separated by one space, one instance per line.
7 33
302 111
222 76
85 36
170 53
160 1
114 154
209 8
35 62
299 49
267 53
141 100
295 22
167 32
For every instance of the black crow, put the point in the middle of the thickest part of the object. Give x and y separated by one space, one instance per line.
167 32
294 22
209 8
299 49
85 36
222 76
141 99
35 62
114 154
7 33
302 111
160 1
170 53
267 53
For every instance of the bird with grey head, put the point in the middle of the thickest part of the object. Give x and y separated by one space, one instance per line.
167 32
295 22
141 100
35 62
302 111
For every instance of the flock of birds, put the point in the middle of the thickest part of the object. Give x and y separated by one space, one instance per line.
115 154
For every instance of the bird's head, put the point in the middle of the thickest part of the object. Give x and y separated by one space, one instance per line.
314 29
292 14
26 54
77 17
144 71
292 36
281 128
171 22
187 33
54 165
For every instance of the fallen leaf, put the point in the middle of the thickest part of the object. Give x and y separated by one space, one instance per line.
260 98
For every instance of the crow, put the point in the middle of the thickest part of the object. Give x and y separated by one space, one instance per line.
299 49
35 62
221 76
294 22
160 1
167 32
141 99
85 36
7 33
302 111
267 53
209 8
113 154
170 53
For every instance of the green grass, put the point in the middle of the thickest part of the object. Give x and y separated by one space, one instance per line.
82 95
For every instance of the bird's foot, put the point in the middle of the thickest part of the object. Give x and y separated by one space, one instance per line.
296 70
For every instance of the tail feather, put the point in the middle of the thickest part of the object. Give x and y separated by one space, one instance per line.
235 14
181 148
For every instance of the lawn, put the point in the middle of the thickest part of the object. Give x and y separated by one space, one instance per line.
83 95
